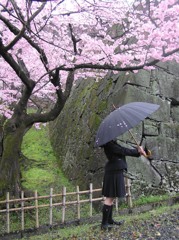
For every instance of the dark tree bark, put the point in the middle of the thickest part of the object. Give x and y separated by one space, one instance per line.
9 164
15 128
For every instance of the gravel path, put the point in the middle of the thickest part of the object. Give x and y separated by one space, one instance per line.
163 227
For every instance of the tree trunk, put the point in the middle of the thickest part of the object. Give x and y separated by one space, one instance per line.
9 162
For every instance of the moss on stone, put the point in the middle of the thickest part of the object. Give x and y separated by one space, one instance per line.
94 121
88 104
102 106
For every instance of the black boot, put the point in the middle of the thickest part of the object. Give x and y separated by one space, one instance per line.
110 219
105 212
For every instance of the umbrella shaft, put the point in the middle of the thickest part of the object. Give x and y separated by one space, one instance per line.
134 138
148 151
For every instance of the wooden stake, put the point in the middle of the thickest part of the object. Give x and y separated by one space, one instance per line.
51 206
36 210
7 208
21 204
90 199
22 210
63 203
128 190
78 202
117 203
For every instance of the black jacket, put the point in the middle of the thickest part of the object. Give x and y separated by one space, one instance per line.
116 156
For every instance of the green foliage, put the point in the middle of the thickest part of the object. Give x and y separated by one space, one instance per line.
150 199
36 178
36 145
41 170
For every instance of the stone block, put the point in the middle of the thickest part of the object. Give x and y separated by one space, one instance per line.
142 78
134 94
164 148
170 130
142 168
151 128
175 113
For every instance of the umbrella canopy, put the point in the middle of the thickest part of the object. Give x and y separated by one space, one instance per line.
123 119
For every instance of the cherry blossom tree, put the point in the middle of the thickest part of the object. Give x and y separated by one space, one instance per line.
46 45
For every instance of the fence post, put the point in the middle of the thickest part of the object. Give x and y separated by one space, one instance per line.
7 208
63 203
36 210
51 206
78 202
22 210
90 199
117 204
128 190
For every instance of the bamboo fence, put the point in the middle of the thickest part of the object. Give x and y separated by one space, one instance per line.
20 205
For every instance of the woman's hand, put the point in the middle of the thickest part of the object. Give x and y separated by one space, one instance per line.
141 151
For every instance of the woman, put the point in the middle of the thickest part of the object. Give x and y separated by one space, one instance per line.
113 183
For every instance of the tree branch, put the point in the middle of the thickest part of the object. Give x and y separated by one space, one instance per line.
21 33
20 73
117 68
21 106
74 40
46 117
55 80
16 39
69 83
61 99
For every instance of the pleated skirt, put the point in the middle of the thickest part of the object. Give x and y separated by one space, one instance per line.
113 184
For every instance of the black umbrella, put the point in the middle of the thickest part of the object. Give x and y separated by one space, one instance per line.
123 119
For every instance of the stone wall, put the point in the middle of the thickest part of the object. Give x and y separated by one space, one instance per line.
73 132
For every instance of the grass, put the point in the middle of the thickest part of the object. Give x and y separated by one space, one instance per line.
151 214
41 171
150 199
92 231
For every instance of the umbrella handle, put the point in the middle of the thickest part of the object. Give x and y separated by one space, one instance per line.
148 151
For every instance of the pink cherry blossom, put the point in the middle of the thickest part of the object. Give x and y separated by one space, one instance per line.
89 37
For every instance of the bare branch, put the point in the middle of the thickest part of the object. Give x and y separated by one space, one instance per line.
74 40
16 31
15 40
69 83
10 60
